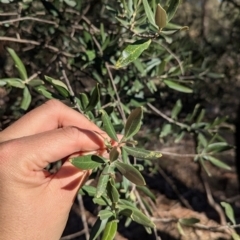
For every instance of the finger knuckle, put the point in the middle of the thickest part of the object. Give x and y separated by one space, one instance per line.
71 132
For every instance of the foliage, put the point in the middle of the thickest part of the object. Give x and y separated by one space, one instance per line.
106 64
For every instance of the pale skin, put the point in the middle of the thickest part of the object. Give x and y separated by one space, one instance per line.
34 204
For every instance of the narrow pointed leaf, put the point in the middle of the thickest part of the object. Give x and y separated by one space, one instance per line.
89 190
149 12
59 86
102 182
177 109
108 127
95 97
180 229
142 153
19 64
172 8
160 17
112 192
105 214
27 98
114 154
229 211
235 236
133 123
218 163
35 82
147 192
132 52
83 100
218 147
43 91
15 82
130 172
100 201
136 215
178 87
97 228
110 230
189 221
87 162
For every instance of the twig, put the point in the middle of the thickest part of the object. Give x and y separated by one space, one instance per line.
72 94
54 49
198 225
27 19
174 188
166 117
116 92
174 55
83 215
212 202
9 14
74 235
146 212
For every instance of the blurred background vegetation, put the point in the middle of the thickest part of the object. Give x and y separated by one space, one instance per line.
88 37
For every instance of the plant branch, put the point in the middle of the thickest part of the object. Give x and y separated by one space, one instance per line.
28 19
166 117
72 94
54 49
119 105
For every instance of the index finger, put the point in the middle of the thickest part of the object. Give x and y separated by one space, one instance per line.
51 115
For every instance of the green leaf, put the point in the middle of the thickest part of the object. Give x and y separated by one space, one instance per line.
89 190
70 3
107 126
229 211
87 162
27 98
19 64
130 172
205 167
110 230
114 154
132 52
59 86
149 13
95 97
147 192
217 162
178 87
202 140
100 201
105 214
112 192
166 130
133 123
218 147
235 236
189 221
3 82
97 228
180 229
83 100
200 116
42 90
102 182
172 8
35 82
142 153
15 82
160 17
177 109
135 215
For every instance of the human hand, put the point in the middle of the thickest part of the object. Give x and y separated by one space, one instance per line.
35 204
